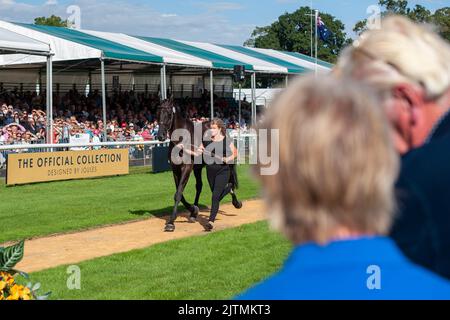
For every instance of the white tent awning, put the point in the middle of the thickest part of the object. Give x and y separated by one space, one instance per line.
12 42
62 49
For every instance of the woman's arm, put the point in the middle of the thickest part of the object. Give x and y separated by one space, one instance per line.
233 156
197 153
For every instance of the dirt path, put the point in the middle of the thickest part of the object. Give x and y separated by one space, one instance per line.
45 253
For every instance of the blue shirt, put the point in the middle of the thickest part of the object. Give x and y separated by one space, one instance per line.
362 269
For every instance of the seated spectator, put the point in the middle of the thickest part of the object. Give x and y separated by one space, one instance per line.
131 130
29 138
96 139
146 135
333 198
30 124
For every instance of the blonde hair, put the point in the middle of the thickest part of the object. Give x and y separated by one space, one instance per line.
401 51
337 163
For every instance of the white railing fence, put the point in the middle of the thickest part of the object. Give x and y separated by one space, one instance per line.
140 152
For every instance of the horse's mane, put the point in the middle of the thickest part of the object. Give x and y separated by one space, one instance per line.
170 103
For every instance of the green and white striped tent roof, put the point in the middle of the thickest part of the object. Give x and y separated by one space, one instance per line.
69 44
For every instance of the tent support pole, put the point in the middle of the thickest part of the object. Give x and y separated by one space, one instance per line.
163 86
211 83
317 17
49 109
240 105
47 99
253 99
90 82
50 89
240 119
287 81
40 81
105 133
165 81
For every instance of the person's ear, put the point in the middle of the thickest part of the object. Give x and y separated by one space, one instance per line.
444 100
412 94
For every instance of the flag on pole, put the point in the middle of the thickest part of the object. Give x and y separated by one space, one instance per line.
324 33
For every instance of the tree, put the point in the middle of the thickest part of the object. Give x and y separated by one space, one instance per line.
440 18
420 14
292 32
395 6
53 21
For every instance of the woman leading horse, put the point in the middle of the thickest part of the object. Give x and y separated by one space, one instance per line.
171 120
222 153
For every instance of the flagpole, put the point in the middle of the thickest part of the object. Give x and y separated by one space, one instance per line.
311 38
317 16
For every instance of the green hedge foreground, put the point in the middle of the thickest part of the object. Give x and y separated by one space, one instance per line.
214 266
58 207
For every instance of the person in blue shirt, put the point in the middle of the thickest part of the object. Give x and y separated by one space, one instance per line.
331 192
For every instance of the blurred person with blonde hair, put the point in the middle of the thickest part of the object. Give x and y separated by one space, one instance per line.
409 67
333 198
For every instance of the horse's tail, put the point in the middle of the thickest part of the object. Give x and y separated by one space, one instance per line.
234 177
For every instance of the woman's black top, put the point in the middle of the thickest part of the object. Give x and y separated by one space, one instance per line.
217 146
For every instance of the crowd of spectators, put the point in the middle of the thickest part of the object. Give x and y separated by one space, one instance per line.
130 115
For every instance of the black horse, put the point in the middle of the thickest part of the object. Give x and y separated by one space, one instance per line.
170 118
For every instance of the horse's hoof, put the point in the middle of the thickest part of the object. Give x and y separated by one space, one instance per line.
194 214
209 226
237 204
192 220
169 228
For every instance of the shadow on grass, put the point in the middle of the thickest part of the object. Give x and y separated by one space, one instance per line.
161 212
164 214
165 211
155 213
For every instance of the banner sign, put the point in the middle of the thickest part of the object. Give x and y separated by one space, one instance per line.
26 168
79 139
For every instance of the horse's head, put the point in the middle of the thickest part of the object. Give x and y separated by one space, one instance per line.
166 115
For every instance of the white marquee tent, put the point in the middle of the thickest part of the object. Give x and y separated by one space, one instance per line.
13 44
34 45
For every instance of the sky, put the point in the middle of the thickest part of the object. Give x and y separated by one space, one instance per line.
228 22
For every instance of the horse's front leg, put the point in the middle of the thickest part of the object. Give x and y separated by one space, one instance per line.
181 183
198 183
193 209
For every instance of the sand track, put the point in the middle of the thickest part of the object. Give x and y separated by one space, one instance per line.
53 251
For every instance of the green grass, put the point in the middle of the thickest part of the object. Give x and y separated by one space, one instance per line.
58 207
215 266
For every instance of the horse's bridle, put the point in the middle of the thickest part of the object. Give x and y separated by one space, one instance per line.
170 127
171 120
